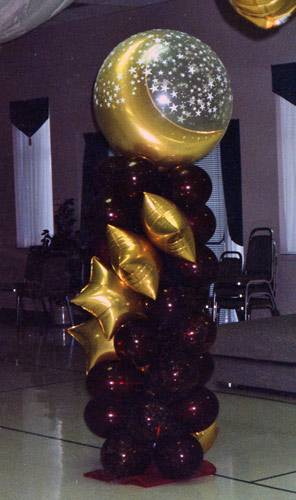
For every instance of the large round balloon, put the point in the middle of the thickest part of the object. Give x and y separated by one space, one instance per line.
103 418
197 411
178 458
134 341
152 419
123 456
163 95
113 379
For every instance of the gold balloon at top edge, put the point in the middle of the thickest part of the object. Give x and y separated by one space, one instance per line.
163 95
167 227
265 14
107 298
134 261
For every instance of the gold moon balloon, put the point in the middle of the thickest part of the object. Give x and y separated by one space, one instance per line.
163 95
207 437
167 227
134 261
265 14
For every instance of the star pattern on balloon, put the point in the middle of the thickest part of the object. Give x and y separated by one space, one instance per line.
184 84
96 346
107 298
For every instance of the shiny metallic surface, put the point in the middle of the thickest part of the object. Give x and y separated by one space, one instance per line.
265 14
163 95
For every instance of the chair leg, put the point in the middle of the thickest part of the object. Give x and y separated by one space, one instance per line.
69 309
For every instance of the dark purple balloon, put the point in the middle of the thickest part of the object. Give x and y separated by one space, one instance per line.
195 333
206 366
172 374
151 420
179 457
204 271
113 379
103 417
197 411
202 222
135 341
122 455
190 186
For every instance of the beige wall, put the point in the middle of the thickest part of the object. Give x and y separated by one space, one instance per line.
60 60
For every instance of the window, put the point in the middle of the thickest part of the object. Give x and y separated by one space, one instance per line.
32 173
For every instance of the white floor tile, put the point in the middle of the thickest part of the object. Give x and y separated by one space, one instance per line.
287 482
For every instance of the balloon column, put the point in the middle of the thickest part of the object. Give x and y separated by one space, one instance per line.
165 96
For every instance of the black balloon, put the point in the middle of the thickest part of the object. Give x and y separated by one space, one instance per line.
122 455
172 374
206 366
113 379
195 333
103 417
179 457
197 411
190 186
204 271
135 341
202 222
151 420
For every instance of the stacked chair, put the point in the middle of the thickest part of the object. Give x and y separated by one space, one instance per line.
249 286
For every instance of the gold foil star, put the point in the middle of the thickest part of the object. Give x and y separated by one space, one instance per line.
107 298
134 261
91 338
167 227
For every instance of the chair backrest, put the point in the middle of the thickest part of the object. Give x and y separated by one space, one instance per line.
230 265
56 274
261 255
34 264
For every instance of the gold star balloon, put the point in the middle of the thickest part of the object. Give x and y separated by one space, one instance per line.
265 14
167 227
134 261
163 95
207 437
107 298
96 346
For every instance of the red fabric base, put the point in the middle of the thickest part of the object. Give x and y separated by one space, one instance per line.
150 478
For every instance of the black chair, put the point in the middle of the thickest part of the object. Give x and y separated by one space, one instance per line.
254 286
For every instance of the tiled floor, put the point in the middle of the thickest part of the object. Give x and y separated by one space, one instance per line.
46 447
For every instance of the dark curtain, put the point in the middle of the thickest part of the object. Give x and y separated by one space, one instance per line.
284 81
96 150
231 173
29 116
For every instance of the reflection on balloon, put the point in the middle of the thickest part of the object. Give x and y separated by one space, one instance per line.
178 458
104 418
135 341
195 333
122 455
197 411
190 185
97 347
196 274
172 375
207 437
177 117
134 261
265 14
202 222
151 420
107 298
167 227
112 379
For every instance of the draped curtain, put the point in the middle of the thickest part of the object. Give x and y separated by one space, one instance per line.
32 175
283 85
